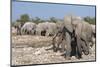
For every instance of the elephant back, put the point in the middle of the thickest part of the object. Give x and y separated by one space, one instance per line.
42 26
29 26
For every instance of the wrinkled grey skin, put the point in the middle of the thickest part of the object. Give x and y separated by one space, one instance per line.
46 29
28 28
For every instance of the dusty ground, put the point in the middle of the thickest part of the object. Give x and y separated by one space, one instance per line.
32 50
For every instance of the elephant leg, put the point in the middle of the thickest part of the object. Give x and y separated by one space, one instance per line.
87 45
38 33
25 31
34 32
78 48
68 46
21 32
17 30
84 48
92 42
73 46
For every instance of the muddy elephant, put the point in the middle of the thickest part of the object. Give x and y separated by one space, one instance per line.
46 29
28 28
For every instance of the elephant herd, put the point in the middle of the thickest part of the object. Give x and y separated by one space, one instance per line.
41 29
72 36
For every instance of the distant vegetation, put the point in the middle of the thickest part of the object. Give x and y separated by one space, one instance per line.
25 18
90 20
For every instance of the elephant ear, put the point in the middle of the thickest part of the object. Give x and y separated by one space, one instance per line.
68 23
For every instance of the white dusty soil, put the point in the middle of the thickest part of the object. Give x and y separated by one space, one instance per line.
32 50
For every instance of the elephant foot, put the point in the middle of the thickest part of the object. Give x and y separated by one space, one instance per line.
66 57
86 53
78 57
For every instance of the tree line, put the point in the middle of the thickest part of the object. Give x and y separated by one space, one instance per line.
25 18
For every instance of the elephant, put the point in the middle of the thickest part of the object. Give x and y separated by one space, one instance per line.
41 29
18 26
28 28
79 30
52 29
46 29
83 32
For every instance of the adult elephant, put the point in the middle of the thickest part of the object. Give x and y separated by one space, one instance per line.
29 28
81 31
46 29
